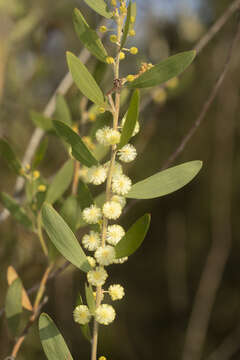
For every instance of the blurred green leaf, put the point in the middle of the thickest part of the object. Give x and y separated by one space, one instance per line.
79 149
164 71
62 112
100 7
84 195
131 119
100 71
63 238
53 343
70 211
41 121
88 36
165 182
133 237
127 24
8 154
15 210
61 182
13 306
90 298
84 80
40 153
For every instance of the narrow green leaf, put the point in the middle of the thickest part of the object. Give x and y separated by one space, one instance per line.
13 307
70 212
90 298
164 71
88 36
84 80
60 182
53 343
100 71
127 24
15 210
62 112
165 182
84 195
41 121
131 119
63 238
133 237
40 153
8 154
100 7
79 149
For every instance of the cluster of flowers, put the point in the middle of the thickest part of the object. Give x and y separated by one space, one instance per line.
111 210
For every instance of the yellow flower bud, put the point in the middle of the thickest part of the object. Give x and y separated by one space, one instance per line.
132 19
42 188
113 38
101 109
75 128
123 10
133 50
160 96
109 60
103 29
27 166
36 174
132 32
114 2
130 78
121 55
91 117
172 83
102 358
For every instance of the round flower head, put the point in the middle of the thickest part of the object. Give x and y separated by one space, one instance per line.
97 277
91 261
136 129
127 153
120 199
116 292
121 260
91 214
114 234
97 175
81 314
105 314
117 169
133 50
112 210
121 184
91 241
107 136
105 255
83 173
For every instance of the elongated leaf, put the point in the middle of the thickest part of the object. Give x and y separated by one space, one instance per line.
165 182
15 209
12 275
40 153
9 156
70 212
41 121
84 80
133 237
84 195
52 340
100 7
13 307
63 238
90 298
88 36
62 112
60 183
100 71
165 70
127 24
131 119
79 149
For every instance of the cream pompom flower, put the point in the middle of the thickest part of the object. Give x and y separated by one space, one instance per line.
105 255
116 292
108 136
112 210
91 241
92 214
127 153
97 175
91 261
121 184
105 314
97 277
120 199
117 168
114 234
121 260
81 314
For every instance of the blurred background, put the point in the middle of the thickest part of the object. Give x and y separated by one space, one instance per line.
183 286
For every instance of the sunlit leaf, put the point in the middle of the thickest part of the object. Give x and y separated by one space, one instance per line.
41 121
60 183
70 212
12 275
100 7
62 112
88 36
9 156
131 119
90 298
53 343
15 210
164 71
133 237
165 182
84 80
13 307
79 150
63 238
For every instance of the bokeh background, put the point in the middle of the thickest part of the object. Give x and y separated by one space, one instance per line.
194 235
